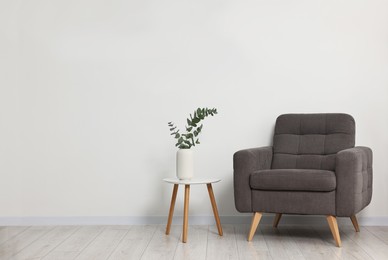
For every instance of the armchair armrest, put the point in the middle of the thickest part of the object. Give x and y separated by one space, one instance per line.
354 180
244 163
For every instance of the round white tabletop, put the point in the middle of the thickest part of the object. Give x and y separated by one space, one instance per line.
192 181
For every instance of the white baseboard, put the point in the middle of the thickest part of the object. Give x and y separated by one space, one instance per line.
193 220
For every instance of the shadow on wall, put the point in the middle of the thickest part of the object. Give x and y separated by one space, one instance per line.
225 195
272 133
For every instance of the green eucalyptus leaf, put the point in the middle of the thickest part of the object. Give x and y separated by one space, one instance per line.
189 139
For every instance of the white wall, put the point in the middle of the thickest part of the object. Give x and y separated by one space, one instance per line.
87 87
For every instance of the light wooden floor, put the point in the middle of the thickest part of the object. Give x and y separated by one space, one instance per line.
150 242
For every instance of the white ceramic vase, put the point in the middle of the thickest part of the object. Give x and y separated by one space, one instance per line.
184 164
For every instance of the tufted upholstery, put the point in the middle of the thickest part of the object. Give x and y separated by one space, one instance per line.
311 141
306 144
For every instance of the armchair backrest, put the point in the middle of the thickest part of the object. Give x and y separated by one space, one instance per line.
310 141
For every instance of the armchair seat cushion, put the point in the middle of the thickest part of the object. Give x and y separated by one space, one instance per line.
293 180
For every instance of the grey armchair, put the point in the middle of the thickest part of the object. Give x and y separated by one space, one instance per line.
312 168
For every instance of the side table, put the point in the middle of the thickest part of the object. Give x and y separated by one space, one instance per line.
187 184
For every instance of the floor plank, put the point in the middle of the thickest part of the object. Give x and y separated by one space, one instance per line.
7 233
42 246
280 244
17 243
104 244
370 243
150 242
163 246
380 232
73 245
134 243
255 249
196 245
224 247
349 249
310 244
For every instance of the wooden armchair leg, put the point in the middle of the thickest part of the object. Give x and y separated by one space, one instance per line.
255 222
277 219
355 223
332 220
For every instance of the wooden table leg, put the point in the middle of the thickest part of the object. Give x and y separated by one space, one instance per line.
172 205
186 213
214 206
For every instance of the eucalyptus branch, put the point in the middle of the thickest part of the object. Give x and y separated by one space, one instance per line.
193 129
